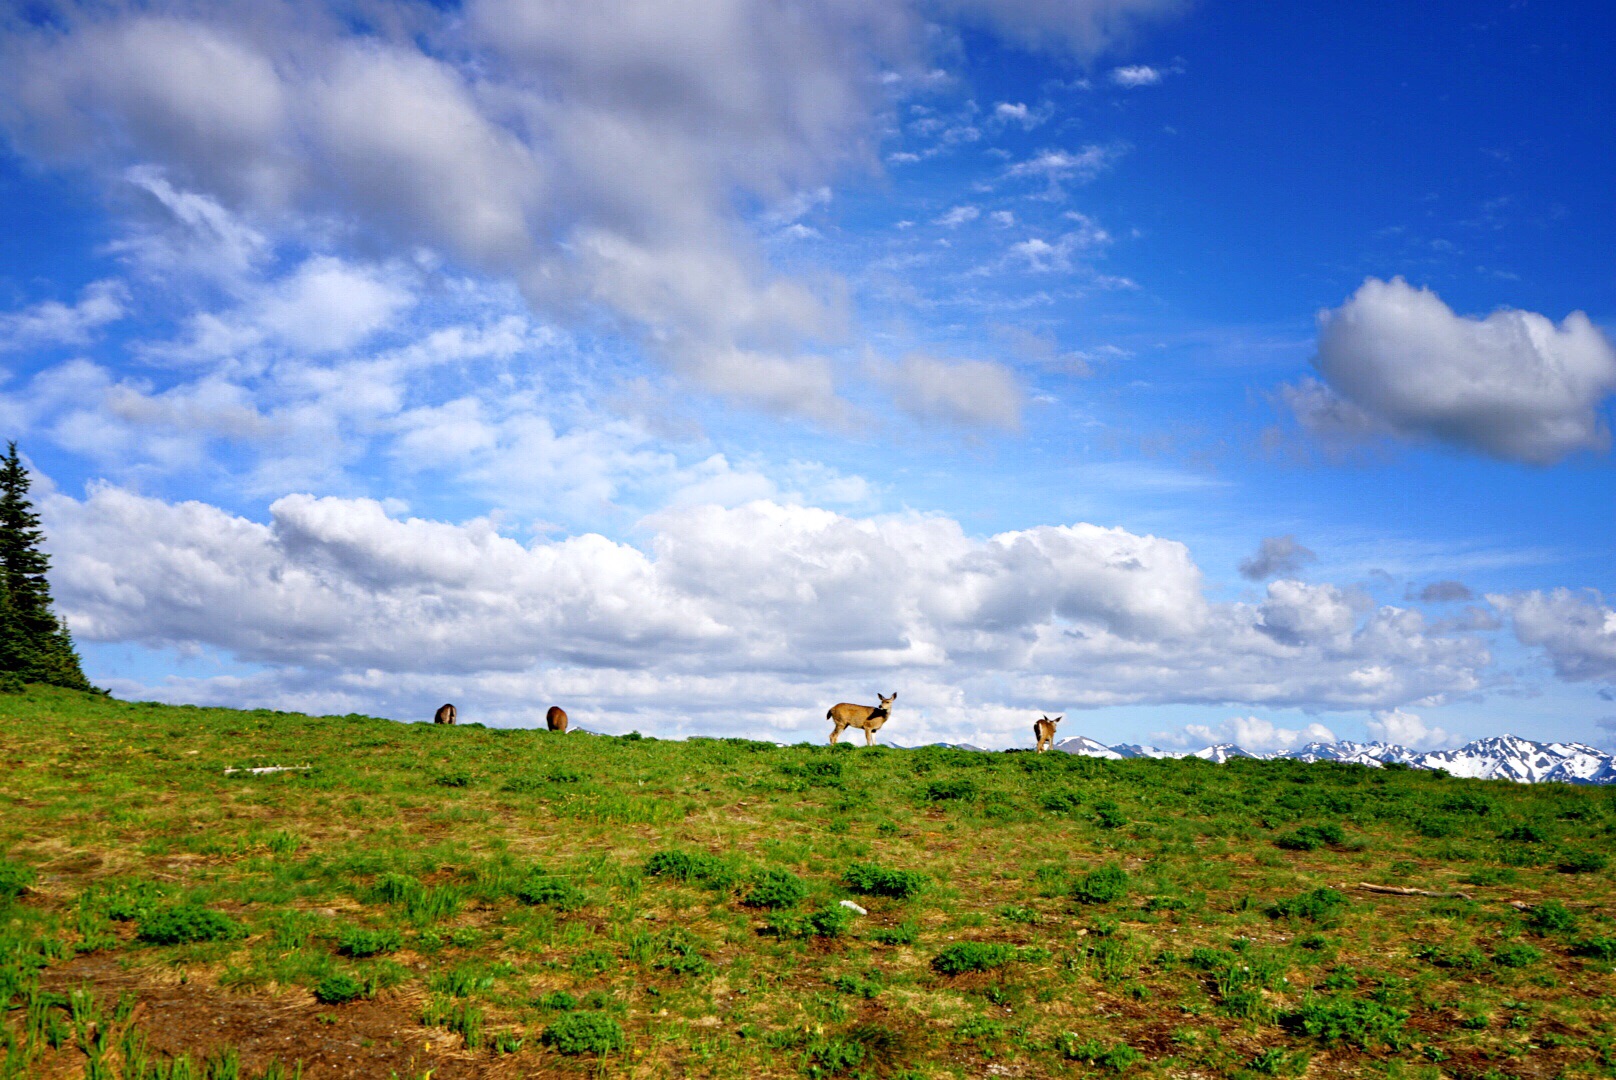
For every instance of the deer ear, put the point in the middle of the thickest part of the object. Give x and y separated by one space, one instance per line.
1059 718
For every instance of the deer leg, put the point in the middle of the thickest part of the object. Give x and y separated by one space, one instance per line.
835 731
869 737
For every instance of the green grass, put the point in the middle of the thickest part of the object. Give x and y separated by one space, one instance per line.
584 906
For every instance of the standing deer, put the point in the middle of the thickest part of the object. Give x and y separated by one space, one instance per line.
1044 731
556 719
445 715
868 717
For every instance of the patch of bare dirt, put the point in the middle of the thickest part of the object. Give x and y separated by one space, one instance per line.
364 1040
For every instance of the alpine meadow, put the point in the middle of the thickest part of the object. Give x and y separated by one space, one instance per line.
807 540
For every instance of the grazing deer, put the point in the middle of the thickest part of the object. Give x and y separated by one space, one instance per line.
868 717
1044 731
445 715
556 719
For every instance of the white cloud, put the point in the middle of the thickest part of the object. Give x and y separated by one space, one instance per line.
959 215
1276 555
1003 218
1025 117
1042 256
1057 167
1136 75
791 601
1405 729
977 393
1251 733
1082 27
52 322
1577 630
1512 385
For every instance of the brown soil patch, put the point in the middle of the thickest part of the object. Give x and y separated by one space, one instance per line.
363 1040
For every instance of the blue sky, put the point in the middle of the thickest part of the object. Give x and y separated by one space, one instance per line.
1191 371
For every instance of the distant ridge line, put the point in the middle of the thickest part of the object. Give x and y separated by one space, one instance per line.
1502 757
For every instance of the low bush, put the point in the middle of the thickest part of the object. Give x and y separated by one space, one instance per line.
186 923
905 933
551 892
966 956
954 789
692 866
1118 1058
831 920
1311 837
557 1001
1101 886
14 879
1108 815
872 880
1583 862
775 889
360 942
1523 834
584 1033
1596 948
338 989
1551 917
1516 955
1364 1024
1319 905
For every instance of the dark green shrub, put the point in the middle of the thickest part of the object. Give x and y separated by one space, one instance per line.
1101 886
1319 905
1597 948
954 789
358 942
1516 955
1466 802
905 933
1523 834
831 920
185 923
584 1033
1458 958
338 989
1311 837
1551 917
1108 815
1583 862
551 892
775 889
697 866
557 1001
14 879
392 889
966 956
1118 1058
872 880
1060 802
1364 1024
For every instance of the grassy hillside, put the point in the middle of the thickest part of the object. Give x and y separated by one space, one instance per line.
461 902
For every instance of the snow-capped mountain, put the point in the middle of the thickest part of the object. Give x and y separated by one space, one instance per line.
1087 747
1506 757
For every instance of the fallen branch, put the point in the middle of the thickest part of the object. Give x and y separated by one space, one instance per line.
261 770
1397 890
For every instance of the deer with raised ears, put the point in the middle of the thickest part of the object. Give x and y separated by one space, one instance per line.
556 719
1044 731
868 717
445 715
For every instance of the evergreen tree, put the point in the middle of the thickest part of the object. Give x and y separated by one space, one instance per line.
34 645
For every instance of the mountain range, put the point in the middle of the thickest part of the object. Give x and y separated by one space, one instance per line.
1505 757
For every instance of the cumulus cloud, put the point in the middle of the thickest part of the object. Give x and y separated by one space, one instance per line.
1513 385
1058 167
1576 629
52 322
1247 732
1136 75
608 160
1443 592
959 215
1276 555
1406 729
972 393
339 594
